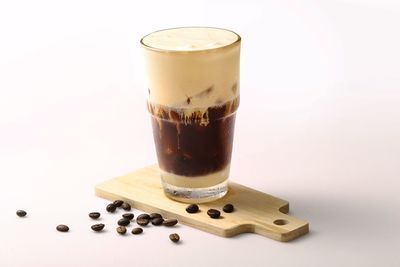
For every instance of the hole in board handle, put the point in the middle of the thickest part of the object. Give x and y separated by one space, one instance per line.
281 222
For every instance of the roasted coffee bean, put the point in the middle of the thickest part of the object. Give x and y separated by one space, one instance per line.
111 207
155 215
228 208
126 206
137 230
144 216
124 222
157 221
118 203
62 228
213 213
94 215
97 227
142 221
170 222
174 237
21 213
128 216
121 230
192 208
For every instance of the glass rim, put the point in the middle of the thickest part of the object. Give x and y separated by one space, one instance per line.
207 50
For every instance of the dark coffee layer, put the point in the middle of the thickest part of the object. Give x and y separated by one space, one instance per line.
189 146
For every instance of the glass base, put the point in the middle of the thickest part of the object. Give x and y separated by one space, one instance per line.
195 195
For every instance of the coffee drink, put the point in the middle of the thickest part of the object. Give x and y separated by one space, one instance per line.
193 95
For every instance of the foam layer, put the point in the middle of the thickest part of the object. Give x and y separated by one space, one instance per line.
190 39
192 68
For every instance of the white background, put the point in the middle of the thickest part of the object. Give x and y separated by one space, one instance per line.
318 125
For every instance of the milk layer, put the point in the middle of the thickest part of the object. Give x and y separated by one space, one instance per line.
192 68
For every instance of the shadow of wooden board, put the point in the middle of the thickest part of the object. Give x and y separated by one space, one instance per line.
255 211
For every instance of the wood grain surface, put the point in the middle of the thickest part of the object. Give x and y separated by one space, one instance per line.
255 211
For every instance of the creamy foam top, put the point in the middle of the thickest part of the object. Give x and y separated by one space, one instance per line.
192 68
190 39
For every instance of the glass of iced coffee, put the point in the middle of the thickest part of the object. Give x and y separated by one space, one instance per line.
193 95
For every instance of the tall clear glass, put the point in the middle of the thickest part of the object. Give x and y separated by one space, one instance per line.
193 95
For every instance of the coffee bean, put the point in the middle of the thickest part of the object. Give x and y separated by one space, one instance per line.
170 222
118 203
62 228
174 237
111 207
21 213
213 213
192 208
121 230
137 231
157 221
142 221
126 206
94 215
128 216
144 216
228 208
97 227
155 215
124 222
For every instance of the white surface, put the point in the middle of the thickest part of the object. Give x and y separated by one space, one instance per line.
318 125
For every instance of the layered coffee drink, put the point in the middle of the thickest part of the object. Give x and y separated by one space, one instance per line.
193 95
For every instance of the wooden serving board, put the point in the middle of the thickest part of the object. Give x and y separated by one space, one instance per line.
255 211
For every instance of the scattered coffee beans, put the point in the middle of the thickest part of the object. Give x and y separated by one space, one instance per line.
121 230
157 221
155 215
94 215
126 206
170 222
124 222
118 203
228 208
213 213
192 208
62 228
144 216
128 216
111 207
97 227
21 213
142 221
174 237
137 231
